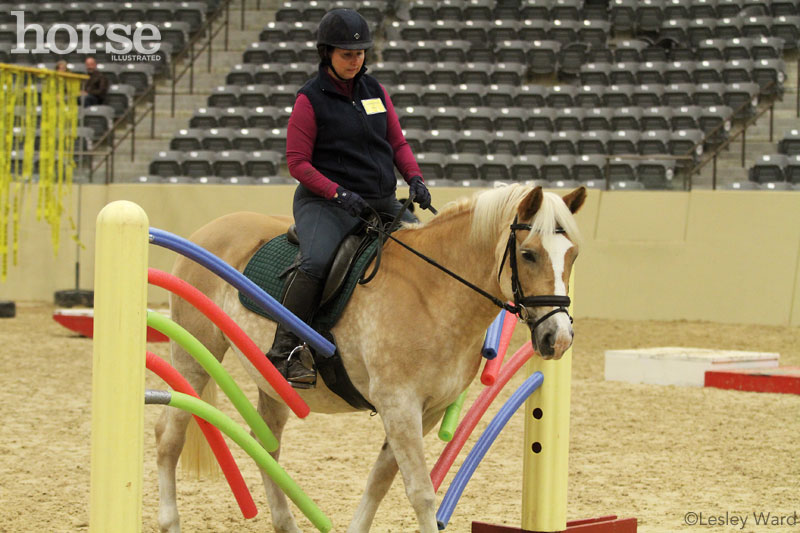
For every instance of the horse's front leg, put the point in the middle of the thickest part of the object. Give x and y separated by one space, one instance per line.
402 420
275 414
378 483
380 480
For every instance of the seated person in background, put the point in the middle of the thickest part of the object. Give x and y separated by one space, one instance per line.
96 87
61 66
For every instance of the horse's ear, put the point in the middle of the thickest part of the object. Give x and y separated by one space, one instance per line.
575 199
530 204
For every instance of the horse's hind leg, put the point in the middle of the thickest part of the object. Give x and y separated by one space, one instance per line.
170 437
275 413
171 426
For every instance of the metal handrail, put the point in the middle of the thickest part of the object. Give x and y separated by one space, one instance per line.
749 121
189 49
129 118
149 96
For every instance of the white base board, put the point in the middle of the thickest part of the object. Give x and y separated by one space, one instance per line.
678 366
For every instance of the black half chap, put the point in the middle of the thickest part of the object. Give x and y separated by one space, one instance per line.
322 225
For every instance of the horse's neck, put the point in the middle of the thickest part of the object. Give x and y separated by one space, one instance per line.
448 243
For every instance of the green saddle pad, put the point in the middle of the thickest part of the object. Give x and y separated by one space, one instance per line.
276 257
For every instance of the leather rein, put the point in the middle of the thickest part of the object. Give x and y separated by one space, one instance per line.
521 302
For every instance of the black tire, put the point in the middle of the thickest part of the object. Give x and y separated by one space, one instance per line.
8 309
74 298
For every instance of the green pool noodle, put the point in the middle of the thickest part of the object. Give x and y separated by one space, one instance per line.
196 348
450 419
263 459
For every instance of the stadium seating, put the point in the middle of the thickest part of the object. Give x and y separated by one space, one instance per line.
653 77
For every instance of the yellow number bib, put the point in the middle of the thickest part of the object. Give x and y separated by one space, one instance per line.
373 105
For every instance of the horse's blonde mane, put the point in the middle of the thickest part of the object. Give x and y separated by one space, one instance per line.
495 209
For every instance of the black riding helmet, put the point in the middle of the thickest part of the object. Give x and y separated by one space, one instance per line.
344 28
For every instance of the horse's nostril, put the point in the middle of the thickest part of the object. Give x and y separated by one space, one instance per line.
549 340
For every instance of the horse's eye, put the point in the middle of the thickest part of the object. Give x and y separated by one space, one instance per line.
528 255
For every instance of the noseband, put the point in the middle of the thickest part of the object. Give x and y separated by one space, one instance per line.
522 302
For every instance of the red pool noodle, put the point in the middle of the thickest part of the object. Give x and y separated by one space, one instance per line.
492 366
475 413
174 379
202 302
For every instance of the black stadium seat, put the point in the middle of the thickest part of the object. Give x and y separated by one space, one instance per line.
589 96
473 141
262 163
431 165
790 143
534 143
597 119
166 163
593 142
569 119
205 117
589 167
564 143
186 140
655 118
792 169
460 167
496 167
198 163
229 163
217 139
626 118
656 173
623 142
504 142
526 167
654 142
768 168
686 143
557 167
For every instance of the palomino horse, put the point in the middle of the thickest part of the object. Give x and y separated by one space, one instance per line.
410 340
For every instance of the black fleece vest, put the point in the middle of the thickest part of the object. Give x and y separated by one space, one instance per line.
351 147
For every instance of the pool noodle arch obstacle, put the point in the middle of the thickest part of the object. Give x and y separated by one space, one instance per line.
547 408
122 237
121 277
212 434
486 439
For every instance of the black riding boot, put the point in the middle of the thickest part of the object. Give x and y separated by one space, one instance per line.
290 356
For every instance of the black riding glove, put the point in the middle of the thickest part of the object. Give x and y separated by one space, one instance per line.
350 201
421 194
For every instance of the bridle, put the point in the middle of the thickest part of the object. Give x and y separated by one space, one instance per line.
521 302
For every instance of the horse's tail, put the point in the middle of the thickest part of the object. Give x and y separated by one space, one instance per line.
197 459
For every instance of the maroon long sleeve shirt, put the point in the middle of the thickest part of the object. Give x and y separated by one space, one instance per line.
301 134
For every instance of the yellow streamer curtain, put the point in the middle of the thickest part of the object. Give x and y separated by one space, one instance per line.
51 99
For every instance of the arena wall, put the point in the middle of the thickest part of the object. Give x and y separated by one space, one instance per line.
723 256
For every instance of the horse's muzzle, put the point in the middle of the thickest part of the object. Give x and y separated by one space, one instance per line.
552 338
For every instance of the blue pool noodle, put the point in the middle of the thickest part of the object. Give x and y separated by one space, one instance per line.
202 256
492 341
485 441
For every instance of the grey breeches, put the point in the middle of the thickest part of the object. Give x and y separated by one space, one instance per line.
322 225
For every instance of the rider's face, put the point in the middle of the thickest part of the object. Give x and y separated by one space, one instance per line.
347 63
